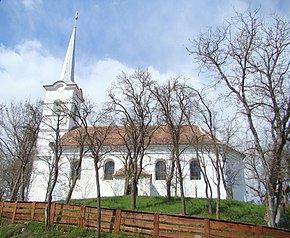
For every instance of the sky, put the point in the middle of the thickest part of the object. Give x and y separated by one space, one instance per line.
112 37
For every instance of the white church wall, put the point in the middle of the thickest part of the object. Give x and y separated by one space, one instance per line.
39 183
147 186
40 179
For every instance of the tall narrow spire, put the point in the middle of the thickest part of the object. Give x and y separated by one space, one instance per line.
67 72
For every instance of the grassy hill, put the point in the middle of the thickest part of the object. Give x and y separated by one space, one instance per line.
230 210
35 229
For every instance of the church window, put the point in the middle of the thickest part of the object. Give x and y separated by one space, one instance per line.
160 170
109 170
75 171
195 173
75 112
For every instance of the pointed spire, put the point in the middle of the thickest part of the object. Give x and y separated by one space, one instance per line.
67 72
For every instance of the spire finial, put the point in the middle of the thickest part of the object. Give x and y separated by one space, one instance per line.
67 73
76 18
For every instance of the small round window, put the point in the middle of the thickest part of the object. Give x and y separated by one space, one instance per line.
57 106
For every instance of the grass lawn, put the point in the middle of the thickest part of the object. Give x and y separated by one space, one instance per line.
230 210
33 229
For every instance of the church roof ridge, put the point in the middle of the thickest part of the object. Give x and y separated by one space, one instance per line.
189 134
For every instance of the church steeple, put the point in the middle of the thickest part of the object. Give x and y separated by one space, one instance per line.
67 73
64 91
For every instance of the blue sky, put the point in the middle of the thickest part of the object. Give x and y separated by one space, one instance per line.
112 36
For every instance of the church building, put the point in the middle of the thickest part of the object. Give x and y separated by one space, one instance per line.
59 128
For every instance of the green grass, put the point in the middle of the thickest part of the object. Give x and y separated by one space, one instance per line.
229 210
34 229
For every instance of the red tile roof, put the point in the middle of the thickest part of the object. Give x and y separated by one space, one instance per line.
161 135
121 172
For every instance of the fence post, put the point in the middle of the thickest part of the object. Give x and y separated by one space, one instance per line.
206 228
52 212
156 225
117 222
32 210
1 209
14 212
259 231
82 216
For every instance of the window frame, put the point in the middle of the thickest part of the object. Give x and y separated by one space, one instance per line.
159 174
73 168
194 170
109 171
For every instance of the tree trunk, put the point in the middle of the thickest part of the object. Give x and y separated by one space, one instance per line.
218 199
127 185
208 192
218 185
71 189
47 214
98 199
270 217
15 189
134 194
169 179
51 189
22 188
49 183
22 183
48 206
74 176
168 189
182 196
228 188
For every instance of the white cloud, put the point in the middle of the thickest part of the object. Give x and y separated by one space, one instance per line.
25 68
96 78
31 4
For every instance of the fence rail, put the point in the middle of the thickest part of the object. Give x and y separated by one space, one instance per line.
133 222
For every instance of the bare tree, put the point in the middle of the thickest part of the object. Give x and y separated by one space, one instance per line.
91 137
80 138
231 168
19 126
201 156
174 102
208 118
131 102
251 58
54 124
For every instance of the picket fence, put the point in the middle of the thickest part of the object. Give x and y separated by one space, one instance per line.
134 222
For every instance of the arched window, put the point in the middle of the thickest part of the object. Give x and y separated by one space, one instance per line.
75 112
74 170
160 170
195 173
109 170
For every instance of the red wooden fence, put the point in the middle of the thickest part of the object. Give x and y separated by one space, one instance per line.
133 222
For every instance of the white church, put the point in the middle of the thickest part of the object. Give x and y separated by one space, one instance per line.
152 181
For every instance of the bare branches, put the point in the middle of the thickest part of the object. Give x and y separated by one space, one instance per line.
251 58
19 126
133 107
174 104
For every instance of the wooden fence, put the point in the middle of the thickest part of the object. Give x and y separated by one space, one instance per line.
133 222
